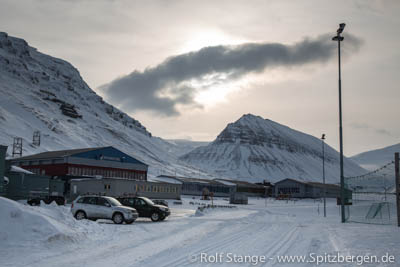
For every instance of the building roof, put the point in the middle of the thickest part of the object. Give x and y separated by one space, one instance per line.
239 183
58 154
108 153
193 180
164 179
225 182
116 179
290 179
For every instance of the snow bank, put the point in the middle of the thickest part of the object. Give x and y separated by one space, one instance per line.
48 223
20 170
202 210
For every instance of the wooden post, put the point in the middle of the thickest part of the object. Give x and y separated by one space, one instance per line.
396 169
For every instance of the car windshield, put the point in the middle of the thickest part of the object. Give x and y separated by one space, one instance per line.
148 201
114 202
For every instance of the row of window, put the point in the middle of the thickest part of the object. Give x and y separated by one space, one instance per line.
198 187
150 188
41 162
79 171
289 190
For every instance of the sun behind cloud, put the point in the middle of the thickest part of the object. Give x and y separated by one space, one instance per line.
208 37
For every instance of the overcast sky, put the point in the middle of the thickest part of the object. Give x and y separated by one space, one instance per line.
187 68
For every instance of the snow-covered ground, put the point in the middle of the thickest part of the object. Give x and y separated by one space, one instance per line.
261 231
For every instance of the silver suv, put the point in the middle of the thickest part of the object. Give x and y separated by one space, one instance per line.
101 207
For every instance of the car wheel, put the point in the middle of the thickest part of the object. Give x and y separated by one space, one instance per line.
155 217
118 218
80 215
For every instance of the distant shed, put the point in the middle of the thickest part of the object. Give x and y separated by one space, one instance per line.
246 188
301 189
197 186
116 187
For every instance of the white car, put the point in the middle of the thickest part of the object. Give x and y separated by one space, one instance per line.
102 207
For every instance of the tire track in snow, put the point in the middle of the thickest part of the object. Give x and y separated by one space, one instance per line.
185 261
281 246
242 231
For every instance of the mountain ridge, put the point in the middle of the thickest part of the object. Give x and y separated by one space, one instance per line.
47 94
373 159
259 149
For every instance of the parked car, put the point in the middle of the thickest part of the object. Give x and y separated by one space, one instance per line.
101 207
146 208
161 202
46 199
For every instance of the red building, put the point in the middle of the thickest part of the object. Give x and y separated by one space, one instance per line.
86 162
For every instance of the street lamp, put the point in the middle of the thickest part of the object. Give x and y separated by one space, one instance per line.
323 172
339 38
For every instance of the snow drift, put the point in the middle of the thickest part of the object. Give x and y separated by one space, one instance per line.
47 223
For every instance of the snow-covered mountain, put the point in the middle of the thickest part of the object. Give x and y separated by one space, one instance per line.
182 146
46 94
254 149
372 160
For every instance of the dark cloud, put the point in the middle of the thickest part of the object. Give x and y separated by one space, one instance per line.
161 88
366 127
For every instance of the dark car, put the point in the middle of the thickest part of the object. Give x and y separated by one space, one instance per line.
146 208
160 202
46 199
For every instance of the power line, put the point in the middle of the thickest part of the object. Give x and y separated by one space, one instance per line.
372 172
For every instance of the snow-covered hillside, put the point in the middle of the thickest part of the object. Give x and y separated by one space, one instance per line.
372 160
181 146
255 149
46 94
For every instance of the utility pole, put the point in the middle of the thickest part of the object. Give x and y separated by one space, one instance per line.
323 172
17 147
339 39
396 169
384 185
36 138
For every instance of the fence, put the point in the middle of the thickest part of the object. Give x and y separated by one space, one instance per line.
374 198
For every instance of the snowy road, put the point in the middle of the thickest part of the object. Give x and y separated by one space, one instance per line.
215 238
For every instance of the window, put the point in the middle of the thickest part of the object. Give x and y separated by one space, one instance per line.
128 202
107 187
103 202
89 200
289 190
140 202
